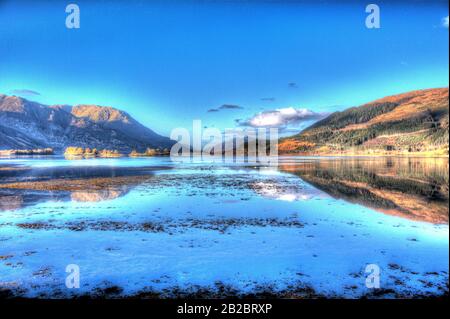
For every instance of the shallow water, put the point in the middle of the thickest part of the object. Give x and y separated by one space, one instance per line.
149 227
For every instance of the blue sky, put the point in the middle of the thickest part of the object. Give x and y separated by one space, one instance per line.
169 62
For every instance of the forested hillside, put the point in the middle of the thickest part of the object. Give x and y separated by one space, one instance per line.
414 122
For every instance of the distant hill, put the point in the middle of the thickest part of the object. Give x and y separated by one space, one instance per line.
416 122
29 125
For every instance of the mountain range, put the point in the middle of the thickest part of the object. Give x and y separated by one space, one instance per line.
411 123
29 125
416 122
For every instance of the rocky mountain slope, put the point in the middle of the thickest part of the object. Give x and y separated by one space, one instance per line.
29 125
416 122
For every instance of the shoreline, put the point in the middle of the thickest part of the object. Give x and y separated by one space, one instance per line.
365 155
8 154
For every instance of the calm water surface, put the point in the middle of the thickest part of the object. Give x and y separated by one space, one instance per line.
149 227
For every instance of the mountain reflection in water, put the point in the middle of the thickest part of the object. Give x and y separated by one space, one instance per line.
413 188
21 187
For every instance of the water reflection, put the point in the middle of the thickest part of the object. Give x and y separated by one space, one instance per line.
413 188
24 186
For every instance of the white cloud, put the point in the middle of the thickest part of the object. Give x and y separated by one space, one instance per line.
281 118
24 92
445 22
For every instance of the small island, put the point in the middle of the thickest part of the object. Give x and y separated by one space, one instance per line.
73 152
79 152
150 152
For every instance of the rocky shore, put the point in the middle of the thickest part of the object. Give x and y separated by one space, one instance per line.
39 151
